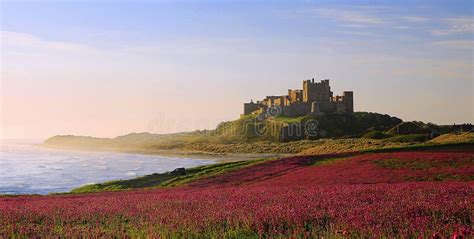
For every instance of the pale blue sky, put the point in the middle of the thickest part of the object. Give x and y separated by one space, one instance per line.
107 68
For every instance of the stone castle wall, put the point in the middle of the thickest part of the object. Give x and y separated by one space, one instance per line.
314 98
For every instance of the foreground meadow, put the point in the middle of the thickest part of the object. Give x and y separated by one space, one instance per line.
398 194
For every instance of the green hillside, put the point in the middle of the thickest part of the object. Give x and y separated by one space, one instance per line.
280 135
282 129
243 130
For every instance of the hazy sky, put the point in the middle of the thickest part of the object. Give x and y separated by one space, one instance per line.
106 68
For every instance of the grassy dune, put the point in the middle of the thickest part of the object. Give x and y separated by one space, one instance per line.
453 138
331 150
200 144
168 179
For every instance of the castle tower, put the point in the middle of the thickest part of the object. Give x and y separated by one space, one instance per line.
316 91
348 99
250 107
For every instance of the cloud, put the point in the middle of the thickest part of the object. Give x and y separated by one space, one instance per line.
403 27
456 25
353 18
456 44
360 33
415 19
25 40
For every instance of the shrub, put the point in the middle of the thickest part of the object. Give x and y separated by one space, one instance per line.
375 135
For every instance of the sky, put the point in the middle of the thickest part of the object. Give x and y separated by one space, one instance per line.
108 68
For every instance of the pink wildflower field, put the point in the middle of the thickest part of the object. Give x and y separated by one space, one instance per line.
401 194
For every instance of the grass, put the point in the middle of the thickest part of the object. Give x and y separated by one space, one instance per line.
290 120
330 146
202 144
329 160
464 146
167 179
409 138
375 135
453 138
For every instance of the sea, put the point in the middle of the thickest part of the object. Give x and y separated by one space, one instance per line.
28 168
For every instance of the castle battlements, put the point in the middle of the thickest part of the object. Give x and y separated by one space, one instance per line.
314 98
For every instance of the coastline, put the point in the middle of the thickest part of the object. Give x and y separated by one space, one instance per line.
223 158
239 151
197 155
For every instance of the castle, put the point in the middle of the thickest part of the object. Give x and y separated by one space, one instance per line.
314 98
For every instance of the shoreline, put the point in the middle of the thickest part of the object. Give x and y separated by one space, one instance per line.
225 158
197 155
216 158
